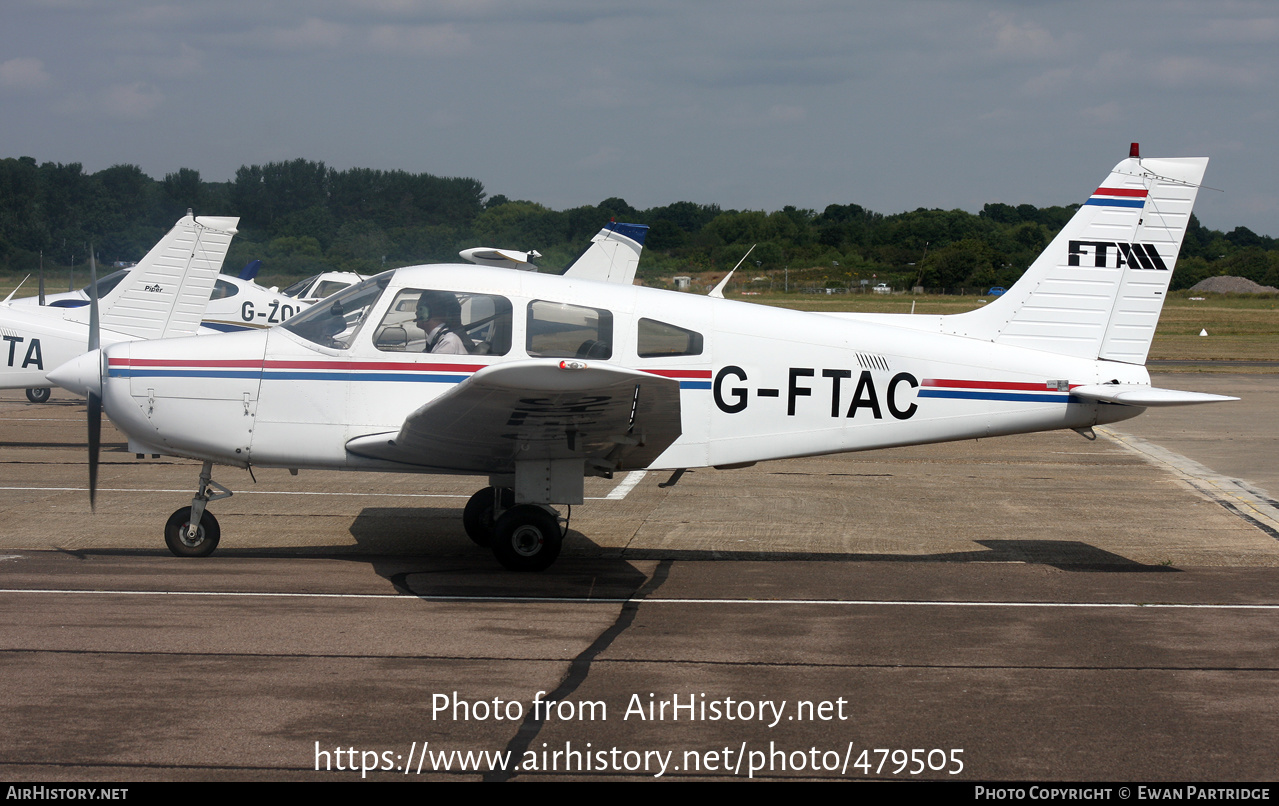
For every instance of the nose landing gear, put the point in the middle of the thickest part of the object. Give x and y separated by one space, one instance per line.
192 531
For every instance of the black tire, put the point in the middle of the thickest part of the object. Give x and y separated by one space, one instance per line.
527 538
206 537
39 395
479 516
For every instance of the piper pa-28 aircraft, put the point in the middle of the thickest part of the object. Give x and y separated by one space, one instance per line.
236 303
537 381
164 296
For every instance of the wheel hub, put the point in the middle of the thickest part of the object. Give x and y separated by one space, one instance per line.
191 541
527 540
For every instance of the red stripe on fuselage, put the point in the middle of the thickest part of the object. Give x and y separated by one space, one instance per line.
1006 385
1138 193
401 366
680 373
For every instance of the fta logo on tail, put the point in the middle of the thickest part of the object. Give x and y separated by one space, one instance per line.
1112 255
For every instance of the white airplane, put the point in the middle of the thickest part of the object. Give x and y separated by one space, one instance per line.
544 380
164 296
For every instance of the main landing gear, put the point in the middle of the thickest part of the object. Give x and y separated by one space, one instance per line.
524 537
192 531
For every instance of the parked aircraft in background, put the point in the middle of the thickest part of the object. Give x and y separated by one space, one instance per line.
544 380
163 296
325 284
236 303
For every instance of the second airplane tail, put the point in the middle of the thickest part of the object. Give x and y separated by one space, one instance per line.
166 294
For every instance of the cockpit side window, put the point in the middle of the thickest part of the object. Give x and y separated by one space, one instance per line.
107 284
423 320
297 288
560 330
335 321
662 340
223 289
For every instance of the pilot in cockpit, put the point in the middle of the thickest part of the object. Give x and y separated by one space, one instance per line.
440 316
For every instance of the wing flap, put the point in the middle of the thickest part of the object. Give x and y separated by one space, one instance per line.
612 417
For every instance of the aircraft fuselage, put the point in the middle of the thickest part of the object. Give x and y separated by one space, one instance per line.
755 382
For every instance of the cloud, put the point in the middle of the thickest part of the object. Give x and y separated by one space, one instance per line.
311 34
1256 31
130 101
1109 112
785 113
1022 40
419 40
24 74
1193 71
605 155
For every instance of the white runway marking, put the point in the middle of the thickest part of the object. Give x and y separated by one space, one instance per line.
1249 502
656 601
621 490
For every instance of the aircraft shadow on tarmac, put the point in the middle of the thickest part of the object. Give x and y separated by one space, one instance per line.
587 570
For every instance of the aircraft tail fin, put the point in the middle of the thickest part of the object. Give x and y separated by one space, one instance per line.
613 255
166 294
1097 290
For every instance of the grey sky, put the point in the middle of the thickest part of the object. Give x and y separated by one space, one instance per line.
744 104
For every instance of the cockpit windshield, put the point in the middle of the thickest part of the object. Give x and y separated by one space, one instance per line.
334 322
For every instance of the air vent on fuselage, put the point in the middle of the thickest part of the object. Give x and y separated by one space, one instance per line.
869 361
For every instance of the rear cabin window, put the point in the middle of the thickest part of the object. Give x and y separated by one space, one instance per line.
423 320
662 340
559 330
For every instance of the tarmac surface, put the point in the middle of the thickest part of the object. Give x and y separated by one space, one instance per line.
1041 607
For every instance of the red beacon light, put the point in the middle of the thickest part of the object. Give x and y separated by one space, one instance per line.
1134 151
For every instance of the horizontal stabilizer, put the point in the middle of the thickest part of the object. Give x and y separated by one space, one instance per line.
501 258
1145 396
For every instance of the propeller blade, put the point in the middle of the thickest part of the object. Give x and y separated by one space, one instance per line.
95 402
94 342
42 277
95 442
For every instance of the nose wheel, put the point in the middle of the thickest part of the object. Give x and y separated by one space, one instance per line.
39 395
201 544
192 531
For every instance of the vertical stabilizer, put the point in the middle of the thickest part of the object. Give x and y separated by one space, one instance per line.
1097 290
612 257
166 294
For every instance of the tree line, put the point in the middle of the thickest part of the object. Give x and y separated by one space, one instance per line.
300 217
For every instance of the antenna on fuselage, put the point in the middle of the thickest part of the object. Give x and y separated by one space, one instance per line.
718 291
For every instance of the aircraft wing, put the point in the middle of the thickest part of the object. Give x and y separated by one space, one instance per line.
1145 396
611 417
